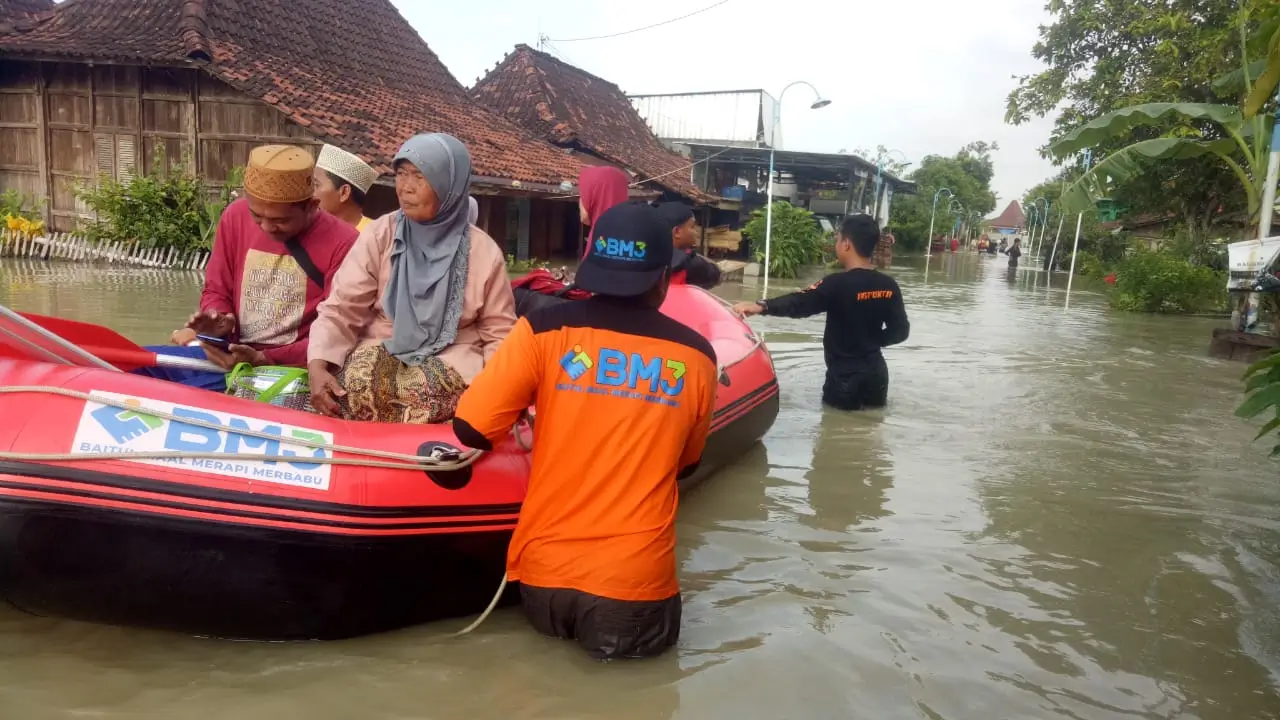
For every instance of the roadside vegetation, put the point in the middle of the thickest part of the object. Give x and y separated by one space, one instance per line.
167 207
797 239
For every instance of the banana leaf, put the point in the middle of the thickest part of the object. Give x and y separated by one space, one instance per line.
1114 124
1123 164
1233 82
1266 84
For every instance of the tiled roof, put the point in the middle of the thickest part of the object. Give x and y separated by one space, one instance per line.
353 72
11 8
21 12
1012 217
573 108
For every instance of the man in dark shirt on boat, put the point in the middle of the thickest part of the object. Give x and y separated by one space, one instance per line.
864 311
687 267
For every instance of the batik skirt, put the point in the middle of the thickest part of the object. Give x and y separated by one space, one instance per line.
380 388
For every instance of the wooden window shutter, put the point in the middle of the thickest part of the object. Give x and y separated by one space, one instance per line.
104 155
126 157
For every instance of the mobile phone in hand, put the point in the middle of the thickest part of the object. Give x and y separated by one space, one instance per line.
222 344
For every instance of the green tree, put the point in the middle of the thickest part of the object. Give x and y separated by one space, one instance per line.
967 175
1102 57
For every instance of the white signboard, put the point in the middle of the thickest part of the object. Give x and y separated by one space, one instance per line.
1248 258
109 429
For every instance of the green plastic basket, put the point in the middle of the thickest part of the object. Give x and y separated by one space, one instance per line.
273 384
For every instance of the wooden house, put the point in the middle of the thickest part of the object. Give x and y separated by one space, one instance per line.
92 88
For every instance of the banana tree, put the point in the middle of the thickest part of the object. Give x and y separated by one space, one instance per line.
1238 136
1239 143
1266 41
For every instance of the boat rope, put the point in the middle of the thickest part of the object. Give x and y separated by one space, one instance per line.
405 461
757 340
502 586
439 460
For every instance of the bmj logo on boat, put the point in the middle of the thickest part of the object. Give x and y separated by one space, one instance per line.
125 425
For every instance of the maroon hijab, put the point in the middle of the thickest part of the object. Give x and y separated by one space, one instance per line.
601 188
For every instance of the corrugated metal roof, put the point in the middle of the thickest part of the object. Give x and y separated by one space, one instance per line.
735 117
739 117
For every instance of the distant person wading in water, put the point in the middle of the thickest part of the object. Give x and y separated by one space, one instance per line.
864 311
1015 252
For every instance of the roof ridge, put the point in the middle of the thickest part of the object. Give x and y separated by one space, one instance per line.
193 28
565 64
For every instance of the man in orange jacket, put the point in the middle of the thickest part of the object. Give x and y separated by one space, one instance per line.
624 397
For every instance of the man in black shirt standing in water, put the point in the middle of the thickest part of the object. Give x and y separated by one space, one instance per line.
864 314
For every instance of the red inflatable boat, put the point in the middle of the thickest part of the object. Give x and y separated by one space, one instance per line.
208 514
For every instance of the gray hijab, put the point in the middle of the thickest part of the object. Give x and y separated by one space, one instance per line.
473 214
429 260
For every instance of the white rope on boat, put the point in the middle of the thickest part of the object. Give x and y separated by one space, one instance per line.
757 340
406 462
393 460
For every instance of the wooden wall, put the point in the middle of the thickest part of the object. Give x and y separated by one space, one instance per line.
63 125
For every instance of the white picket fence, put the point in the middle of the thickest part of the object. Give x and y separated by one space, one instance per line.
75 248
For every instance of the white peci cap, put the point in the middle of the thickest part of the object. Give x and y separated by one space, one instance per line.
347 166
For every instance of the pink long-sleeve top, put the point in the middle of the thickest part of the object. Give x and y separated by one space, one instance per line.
353 311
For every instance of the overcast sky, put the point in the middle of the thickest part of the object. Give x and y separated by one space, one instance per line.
921 76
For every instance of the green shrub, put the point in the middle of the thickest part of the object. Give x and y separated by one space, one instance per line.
14 204
523 266
1262 385
797 239
1089 265
158 209
1160 282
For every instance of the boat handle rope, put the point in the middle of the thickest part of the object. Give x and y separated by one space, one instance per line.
757 340
410 462
402 461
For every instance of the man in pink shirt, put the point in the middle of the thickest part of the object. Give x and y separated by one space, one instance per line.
274 256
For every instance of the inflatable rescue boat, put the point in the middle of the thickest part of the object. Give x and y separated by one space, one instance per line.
133 501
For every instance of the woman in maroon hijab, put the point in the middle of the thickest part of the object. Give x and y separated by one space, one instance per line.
599 188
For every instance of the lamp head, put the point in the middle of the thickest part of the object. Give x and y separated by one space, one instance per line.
819 104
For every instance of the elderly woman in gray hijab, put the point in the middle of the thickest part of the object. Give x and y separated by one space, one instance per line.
420 303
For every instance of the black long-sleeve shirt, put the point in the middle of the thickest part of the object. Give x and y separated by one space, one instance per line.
864 311
697 269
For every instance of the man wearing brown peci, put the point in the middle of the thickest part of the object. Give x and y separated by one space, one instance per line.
274 256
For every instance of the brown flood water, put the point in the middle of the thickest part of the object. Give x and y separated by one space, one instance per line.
1057 516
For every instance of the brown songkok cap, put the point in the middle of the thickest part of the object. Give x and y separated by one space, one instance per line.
279 174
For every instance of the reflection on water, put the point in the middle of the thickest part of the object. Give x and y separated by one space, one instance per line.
1057 515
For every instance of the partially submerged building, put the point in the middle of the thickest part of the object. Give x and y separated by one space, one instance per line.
92 88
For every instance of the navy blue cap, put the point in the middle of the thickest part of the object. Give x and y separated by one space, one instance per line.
630 250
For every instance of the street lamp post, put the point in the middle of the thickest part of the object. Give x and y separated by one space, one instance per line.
957 212
1044 222
818 103
875 212
928 241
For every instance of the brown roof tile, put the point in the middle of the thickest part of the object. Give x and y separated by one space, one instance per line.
13 8
1012 217
571 107
353 72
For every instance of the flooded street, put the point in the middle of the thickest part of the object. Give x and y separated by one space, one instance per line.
1056 516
